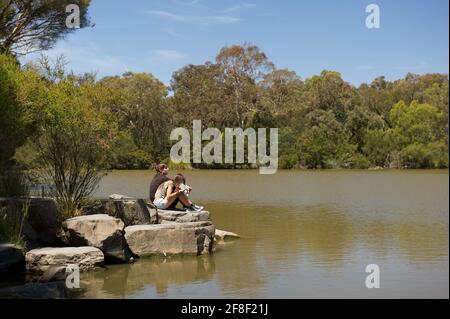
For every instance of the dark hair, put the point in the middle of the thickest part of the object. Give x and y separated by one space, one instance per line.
160 167
179 179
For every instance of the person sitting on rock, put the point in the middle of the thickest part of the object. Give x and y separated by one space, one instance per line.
162 170
169 191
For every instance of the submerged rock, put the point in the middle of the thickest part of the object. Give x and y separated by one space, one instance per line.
222 235
101 231
171 238
39 261
12 259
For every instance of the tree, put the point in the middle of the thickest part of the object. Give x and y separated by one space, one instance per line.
376 98
31 25
199 94
16 121
72 146
321 140
138 104
12 119
242 67
329 92
282 98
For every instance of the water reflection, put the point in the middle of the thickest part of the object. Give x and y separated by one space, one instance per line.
127 280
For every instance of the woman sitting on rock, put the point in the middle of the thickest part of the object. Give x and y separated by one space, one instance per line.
169 191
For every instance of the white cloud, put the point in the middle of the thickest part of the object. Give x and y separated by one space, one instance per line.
84 58
240 6
202 20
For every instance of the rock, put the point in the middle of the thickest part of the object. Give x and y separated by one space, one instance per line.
171 238
101 231
42 225
131 212
222 235
183 216
54 290
118 196
53 273
12 259
39 261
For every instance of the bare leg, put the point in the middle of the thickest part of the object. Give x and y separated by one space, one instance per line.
182 197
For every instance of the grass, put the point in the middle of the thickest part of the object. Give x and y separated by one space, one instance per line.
11 223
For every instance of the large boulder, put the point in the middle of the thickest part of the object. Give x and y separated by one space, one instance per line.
101 231
182 216
43 260
12 259
130 211
170 238
41 226
53 290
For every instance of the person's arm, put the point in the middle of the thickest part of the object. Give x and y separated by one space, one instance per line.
172 192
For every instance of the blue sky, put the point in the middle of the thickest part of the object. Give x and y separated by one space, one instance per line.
304 36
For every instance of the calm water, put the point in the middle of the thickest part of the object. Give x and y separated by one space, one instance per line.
306 234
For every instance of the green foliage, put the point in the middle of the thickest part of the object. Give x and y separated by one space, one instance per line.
126 155
69 129
430 155
72 145
11 223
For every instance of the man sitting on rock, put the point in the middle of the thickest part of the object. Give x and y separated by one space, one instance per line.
171 194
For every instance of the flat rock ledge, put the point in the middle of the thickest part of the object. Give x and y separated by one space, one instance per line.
101 231
171 238
42 260
182 216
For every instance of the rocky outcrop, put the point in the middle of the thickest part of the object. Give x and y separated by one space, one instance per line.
222 235
39 261
53 290
12 259
130 211
42 226
171 238
183 216
101 231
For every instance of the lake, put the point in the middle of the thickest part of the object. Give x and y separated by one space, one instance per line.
305 234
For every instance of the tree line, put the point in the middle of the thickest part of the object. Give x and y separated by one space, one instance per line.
323 121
